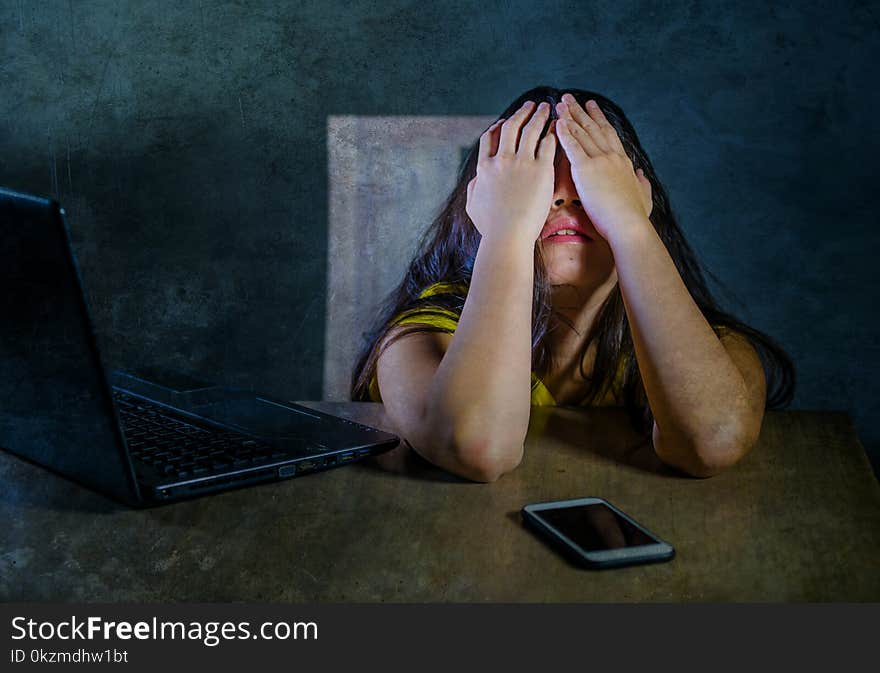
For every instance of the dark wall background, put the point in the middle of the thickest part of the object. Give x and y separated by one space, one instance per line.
187 141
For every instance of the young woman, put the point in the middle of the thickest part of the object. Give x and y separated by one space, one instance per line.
556 274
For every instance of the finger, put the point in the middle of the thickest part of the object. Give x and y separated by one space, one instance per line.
647 191
510 129
531 132
569 108
573 149
495 137
489 141
569 130
610 132
469 198
547 147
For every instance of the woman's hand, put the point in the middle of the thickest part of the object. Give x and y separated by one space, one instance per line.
613 195
512 192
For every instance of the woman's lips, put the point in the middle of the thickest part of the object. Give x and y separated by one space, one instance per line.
567 238
565 230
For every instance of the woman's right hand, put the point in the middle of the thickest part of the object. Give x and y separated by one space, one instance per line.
512 192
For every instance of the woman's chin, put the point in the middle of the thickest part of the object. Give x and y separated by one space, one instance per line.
570 268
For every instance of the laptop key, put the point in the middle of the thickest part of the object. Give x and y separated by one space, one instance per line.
180 447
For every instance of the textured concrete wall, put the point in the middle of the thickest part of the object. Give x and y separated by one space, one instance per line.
188 141
387 178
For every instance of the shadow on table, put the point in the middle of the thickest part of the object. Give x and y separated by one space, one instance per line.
26 485
402 460
405 462
516 518
605 432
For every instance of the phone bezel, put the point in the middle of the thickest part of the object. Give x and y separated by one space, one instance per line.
650 553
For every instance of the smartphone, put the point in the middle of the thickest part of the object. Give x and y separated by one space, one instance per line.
595 533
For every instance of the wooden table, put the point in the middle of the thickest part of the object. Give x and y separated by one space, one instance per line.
797 520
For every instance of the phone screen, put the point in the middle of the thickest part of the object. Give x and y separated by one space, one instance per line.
595 527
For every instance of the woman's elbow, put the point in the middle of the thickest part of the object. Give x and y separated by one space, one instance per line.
709 463
486 459
478 447
480 456
490 468
707 456
722 452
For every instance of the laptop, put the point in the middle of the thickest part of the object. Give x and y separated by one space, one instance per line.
145 436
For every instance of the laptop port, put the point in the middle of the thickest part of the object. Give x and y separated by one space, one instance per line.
306 465
345 457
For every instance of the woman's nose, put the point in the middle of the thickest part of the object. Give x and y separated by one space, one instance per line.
562 201
564 191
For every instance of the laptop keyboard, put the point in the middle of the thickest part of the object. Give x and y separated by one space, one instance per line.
180 450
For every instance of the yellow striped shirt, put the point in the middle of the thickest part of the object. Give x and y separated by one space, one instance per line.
447 321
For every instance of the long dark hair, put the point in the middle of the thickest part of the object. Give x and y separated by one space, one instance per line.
446 255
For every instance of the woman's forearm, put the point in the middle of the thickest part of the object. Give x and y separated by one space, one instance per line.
478 400
697 394
480 397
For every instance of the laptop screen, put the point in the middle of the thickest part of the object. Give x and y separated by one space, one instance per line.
56 409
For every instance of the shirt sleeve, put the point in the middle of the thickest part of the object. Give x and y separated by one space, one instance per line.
441 319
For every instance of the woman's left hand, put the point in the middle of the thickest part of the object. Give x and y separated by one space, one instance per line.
613 195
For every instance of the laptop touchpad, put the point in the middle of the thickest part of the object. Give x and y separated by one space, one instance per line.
261 417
